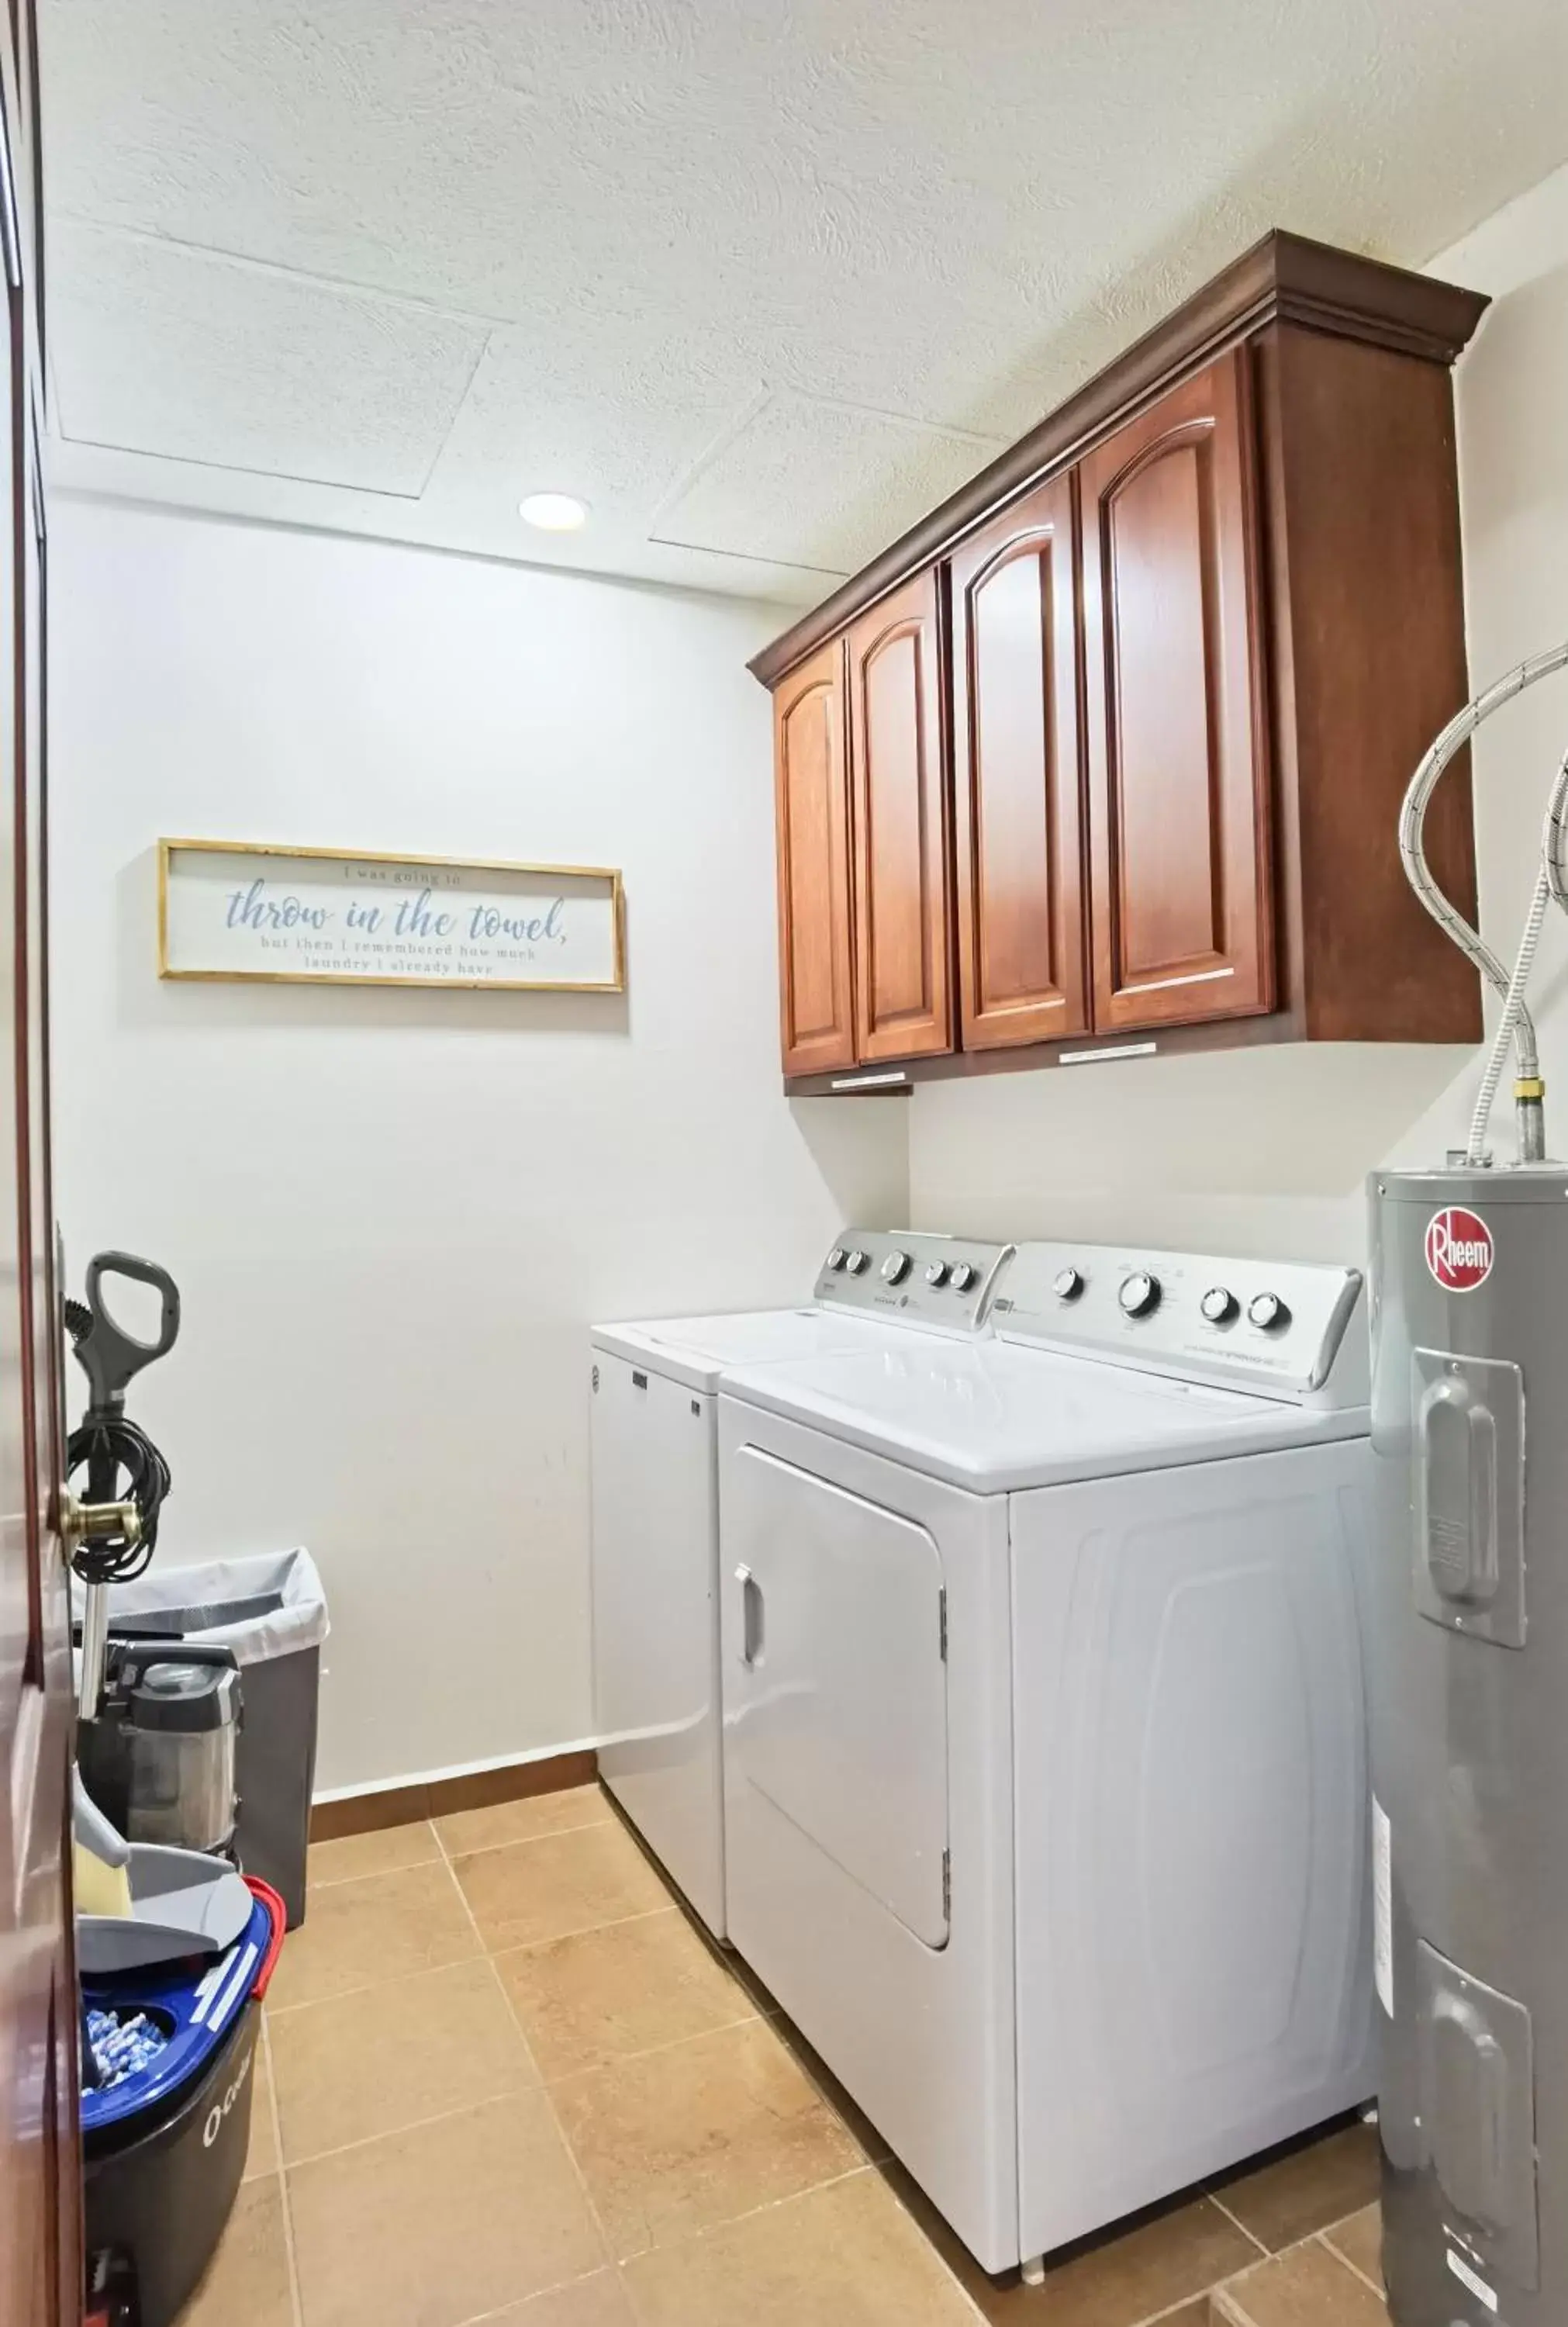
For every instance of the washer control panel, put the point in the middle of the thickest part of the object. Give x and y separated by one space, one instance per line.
943 1283
1288 1329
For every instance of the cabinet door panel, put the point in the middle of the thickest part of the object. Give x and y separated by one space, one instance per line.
1017 784
1183 926
902 937
814 970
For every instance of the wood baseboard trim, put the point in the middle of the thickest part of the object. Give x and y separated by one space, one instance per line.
438 1798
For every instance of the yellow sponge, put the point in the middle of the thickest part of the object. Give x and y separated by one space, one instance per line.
100 1889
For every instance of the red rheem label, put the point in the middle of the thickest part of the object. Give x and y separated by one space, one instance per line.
1459 1248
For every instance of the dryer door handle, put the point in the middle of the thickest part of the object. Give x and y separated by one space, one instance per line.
752 1614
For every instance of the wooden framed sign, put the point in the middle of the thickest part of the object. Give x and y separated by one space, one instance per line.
234 908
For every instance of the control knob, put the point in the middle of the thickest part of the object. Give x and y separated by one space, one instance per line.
1068 1284
1219 1304
937 1274
858 1262
837 1256
896 1267
1139 1293
1268 1312
964 1275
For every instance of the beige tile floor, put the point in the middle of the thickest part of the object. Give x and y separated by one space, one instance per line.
504 2079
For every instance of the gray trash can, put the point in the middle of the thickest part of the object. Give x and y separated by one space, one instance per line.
272 1612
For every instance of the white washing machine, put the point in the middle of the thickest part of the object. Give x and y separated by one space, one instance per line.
656 1527
1046 1787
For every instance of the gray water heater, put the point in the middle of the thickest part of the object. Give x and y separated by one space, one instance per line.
1468 1651
1469 1690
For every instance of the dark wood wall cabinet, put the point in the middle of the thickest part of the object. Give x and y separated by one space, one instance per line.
816 983
898 794
1106 754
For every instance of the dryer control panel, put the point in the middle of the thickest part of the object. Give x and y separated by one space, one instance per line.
1293 1330
942 1284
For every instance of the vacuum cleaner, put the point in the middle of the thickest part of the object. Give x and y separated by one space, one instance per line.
174 1947
158 1719
1469 1684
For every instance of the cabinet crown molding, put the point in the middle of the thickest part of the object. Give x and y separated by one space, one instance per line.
1284 279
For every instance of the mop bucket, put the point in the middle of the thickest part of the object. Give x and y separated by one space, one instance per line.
164 2146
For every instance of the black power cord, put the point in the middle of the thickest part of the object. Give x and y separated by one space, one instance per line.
113 1450
109 1449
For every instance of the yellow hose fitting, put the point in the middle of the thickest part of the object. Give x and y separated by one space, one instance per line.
1530 1087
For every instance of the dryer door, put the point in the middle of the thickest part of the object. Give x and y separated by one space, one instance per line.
836 1696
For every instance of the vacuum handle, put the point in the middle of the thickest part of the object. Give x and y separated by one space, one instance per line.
95 1622
111 1355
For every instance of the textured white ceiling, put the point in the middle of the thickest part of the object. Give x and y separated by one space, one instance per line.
760 279
803 479
202 358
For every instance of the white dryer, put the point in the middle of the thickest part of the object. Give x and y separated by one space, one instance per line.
655 1520
1046 1788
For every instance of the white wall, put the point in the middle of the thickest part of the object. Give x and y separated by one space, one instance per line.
1267 1149
1252 1151
393 1213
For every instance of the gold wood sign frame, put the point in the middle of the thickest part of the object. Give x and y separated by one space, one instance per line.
442 868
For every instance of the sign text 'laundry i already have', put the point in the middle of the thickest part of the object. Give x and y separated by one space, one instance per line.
230 909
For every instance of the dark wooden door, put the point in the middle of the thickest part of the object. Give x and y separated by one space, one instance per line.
40 2181
1178 755
902 923
814 953
1018 776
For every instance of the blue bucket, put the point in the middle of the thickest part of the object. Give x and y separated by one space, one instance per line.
164 2148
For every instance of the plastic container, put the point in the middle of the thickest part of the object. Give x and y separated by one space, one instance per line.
164 2150
183 1904
272 1610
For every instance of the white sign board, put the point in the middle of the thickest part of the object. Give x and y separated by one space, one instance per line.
228 909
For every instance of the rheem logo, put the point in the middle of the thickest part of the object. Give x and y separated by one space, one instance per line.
1458 1249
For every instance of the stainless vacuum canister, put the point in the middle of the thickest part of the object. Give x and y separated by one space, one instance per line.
181 1725
1468 1689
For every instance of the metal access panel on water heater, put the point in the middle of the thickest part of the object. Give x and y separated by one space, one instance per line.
1478 2112
1469 1448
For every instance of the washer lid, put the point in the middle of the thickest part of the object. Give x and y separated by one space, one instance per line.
993 1416
695 1350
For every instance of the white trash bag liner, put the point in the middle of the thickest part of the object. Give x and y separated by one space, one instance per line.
267 1604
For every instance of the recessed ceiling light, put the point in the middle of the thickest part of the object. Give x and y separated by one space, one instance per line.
553 512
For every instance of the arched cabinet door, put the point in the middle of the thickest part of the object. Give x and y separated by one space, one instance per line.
815 978
1178 747
902 924
1018 777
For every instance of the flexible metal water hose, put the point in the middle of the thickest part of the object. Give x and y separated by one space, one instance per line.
1555 838
1516 1026
1529 1087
